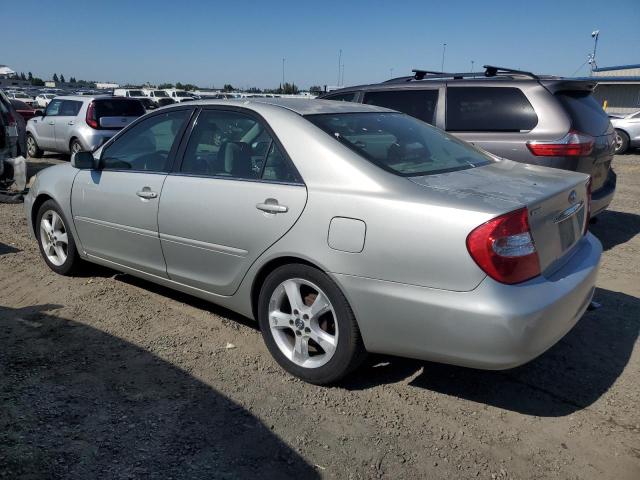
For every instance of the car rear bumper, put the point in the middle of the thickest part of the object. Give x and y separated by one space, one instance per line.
601 198
494 326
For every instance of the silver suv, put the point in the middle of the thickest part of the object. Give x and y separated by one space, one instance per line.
543 120
78 123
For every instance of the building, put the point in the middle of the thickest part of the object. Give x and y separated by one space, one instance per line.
618 89
106 85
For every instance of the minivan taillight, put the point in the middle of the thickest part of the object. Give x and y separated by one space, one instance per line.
573 144
91 119
503 248
586 223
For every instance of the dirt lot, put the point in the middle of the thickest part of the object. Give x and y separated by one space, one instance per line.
107 376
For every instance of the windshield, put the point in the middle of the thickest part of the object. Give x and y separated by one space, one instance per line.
399 143
160 93
20 95
182 94
136 93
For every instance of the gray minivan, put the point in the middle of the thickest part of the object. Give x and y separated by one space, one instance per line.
518 115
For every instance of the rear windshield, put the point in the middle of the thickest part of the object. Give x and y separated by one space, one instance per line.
160 93
18 105
399 143
136 93
586 114
182 94
118 108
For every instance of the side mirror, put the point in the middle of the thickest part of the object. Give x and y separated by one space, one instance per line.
39 113
84 161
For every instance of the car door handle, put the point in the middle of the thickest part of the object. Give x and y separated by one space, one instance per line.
147 194
71 122
52 123
271 205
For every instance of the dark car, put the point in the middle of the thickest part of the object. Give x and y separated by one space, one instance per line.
518 115
24 110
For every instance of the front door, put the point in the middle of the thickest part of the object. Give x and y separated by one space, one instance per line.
115 208
45 126
234 195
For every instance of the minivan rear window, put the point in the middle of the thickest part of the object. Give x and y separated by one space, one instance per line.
488 109
399 143
586 114
417 103
114 107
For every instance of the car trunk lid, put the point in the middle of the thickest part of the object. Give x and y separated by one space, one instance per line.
557 201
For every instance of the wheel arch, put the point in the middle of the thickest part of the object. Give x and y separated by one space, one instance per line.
37 203
264 272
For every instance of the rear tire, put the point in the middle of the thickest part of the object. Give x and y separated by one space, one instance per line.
75 146
32 147
318 342
622 142
56 242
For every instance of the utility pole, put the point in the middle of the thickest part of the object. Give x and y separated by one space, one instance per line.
472 62
391 72
444 49
339 66
342 78
592 59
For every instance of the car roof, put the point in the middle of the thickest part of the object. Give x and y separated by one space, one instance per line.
301 106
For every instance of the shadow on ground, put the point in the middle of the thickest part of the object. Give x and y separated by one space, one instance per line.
613 228
6 249
80 403
570 376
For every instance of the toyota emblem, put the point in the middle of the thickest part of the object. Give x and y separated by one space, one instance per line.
572 196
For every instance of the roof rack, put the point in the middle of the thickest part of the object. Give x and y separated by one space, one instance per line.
493 71
420 74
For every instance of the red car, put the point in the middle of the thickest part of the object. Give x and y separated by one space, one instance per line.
23 109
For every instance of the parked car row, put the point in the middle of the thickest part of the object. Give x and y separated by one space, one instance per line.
346 227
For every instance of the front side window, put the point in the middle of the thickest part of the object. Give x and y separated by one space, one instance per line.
399 143
488 109
417 103
53 109
234 145
146 145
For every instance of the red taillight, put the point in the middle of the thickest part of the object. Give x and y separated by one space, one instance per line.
573 144
91 115
503 248
588 216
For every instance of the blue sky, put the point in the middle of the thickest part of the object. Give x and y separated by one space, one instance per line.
210 43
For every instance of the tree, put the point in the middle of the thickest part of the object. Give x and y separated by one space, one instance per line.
254 90
316 90
61 78
55 77
162 86
37 82
72 80
228 87
30 76
22 76
288 89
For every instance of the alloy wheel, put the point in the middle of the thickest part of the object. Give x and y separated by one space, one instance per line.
54 238
303 323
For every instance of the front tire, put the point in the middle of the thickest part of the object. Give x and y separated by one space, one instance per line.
308 325
32 147
57 245
622 142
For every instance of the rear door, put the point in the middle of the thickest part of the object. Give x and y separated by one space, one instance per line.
587 116
65 122
115 208
235 193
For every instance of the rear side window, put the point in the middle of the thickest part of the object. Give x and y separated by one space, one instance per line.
70 108
586 114
342 97
417 103
489 109
114 107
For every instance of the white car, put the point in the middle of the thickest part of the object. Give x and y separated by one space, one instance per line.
180 95
159 97
43 99
23 97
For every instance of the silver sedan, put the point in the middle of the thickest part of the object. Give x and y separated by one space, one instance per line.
627 131
341 228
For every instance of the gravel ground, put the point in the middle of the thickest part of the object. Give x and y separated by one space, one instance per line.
107 376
